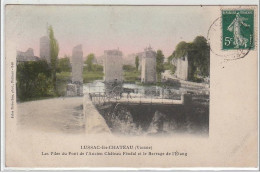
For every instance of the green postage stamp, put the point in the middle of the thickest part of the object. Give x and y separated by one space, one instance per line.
237 29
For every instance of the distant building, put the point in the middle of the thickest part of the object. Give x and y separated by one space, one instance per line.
113 66
45 50
182 67
148 71
26 56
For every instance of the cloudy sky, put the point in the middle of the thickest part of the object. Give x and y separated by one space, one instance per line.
99 28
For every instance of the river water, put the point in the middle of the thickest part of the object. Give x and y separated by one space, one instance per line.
152 119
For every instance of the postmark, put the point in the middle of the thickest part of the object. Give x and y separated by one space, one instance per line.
237 29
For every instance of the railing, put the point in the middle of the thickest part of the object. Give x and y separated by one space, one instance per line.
100 94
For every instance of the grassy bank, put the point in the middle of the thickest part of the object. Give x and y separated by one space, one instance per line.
132 76
90 76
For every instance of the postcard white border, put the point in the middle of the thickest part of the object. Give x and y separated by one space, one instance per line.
110 2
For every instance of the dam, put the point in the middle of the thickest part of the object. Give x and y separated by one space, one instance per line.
130 109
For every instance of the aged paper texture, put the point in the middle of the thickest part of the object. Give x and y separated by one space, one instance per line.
131 86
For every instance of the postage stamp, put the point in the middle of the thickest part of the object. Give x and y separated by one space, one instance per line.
237 29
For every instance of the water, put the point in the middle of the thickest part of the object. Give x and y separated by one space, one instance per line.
65 115
153 119
100 87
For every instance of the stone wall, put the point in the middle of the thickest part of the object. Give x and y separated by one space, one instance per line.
182 67
113 66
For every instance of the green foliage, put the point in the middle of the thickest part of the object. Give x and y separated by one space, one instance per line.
170 58
90 66
198 54
170 66
182 49
167 66
201 56
132 76
129 68
90 76
64 65
159 64
63 79
63 76
131 73
89 61
34 80
137 62
97 67
54 51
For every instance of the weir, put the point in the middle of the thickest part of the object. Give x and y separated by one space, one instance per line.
143 107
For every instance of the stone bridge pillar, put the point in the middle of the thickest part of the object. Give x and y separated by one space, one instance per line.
76 87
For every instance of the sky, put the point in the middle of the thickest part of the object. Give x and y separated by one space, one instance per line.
99 28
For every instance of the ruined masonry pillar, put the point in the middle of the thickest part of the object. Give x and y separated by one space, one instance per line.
76 87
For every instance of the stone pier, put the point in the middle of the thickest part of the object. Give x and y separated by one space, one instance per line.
113 67
148 74
76 87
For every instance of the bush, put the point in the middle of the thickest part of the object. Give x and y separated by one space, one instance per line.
129 68
91 76
97 67
34 80
64 65
133 76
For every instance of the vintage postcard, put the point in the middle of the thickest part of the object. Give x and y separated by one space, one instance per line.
110 86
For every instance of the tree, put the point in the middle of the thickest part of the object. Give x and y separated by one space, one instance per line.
136 62
202 55
159 63
128 68
54 51
33 80
182 49
97 67
64 64
198 56
89 61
